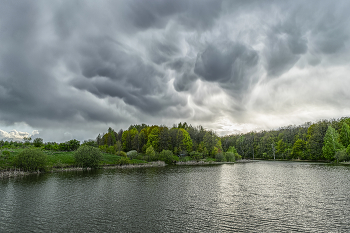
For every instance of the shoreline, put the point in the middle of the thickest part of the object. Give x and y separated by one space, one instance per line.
201 163
19 173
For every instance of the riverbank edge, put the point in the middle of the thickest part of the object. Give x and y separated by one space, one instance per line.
18 173
196 163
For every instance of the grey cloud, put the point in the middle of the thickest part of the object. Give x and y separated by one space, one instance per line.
230 64
196 14
76 63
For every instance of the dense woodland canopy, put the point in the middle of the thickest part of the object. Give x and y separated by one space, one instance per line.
323 140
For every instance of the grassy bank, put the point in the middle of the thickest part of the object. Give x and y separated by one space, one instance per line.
60 159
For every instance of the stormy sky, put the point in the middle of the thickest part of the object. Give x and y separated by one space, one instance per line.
71 69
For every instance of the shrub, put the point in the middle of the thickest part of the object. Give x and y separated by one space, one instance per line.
150 153
341 156
121 153
219 157
238 156
230 157
168 157
123 161
87 156
196 155
111 150
6 153
132 154
31 160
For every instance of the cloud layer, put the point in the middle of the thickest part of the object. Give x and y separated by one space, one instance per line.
72 69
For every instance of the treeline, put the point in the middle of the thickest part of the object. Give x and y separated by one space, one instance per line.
181 139
324 140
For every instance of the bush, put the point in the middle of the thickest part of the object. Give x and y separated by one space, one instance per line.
132 154
238 156
121 153
31 160
150 153
6 153
168 157
230 157
196 155
88 156
341 156
111 150
123 161
219 157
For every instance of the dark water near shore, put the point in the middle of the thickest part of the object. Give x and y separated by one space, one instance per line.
252 197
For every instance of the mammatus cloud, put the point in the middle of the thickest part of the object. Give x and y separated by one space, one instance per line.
72 69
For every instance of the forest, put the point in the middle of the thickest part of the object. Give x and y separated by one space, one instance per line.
325 140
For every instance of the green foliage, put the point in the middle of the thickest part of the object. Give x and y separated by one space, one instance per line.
6 153
132 154
38 142
185 159
88 156
118 146
90 142
111 150
345 135
121 153
128 139
168 157
186 140
238 156
31 160
219 157
51 146
331 143
230 157
341 155
150 153
153 138
196 155
299 149
123 161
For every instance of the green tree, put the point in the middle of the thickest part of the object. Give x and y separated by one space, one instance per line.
128 138
143 140
153 138
345 135
168 157
331 143
31 160
73 144
185 140
150 153
38 142
88 156
299 149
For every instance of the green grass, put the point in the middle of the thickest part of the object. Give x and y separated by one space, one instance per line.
59 158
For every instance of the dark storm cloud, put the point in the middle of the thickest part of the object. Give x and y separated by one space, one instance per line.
230 64
196 14
69 64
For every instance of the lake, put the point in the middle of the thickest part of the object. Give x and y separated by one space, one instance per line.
265 196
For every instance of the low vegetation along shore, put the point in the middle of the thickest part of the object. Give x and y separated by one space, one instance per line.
30 160
183 144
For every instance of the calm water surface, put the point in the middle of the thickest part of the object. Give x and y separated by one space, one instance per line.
254 197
